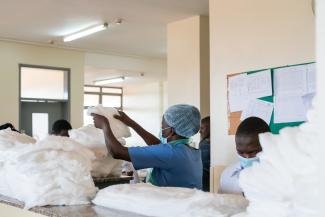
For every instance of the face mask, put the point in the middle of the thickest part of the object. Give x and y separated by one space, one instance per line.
163 139
247 162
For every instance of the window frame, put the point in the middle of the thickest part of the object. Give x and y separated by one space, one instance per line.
101 94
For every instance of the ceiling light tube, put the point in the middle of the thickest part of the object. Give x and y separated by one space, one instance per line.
85 32
109 81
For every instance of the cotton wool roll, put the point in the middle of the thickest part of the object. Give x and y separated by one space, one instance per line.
284 183
149 200
8 140
93 138
54 171
119 129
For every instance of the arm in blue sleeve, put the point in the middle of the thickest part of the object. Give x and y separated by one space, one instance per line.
154 156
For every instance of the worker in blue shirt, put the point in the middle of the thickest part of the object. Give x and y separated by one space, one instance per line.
175 163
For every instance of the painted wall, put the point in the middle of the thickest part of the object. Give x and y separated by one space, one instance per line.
247 35
188 62
144 103
12 54
154 68
144 99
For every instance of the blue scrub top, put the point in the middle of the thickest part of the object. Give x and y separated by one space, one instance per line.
173 165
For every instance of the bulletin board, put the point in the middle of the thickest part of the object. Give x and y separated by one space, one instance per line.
234 117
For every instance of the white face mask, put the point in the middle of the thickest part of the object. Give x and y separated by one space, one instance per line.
247 162
163 139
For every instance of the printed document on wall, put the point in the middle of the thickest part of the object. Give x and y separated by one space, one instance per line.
259 84
238 92
290 81
311 78
289 109
258 108
308 100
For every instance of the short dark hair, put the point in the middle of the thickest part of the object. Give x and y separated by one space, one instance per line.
206 120
60 125
252 126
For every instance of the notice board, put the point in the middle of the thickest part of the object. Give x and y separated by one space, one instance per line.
278 77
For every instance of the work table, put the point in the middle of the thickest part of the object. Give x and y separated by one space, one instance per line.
89 210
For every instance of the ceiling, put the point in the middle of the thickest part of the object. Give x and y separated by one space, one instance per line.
93 74
143 32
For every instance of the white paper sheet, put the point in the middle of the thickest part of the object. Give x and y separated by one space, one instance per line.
290 81
258 108
289 109
311 78
259 84
238 92
307 100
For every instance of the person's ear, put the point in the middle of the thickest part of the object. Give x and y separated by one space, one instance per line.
172 131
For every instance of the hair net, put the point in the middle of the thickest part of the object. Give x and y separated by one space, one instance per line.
185 119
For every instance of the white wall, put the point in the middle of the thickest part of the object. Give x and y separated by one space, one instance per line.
153 68
144 103
247 35
143 100
12 54
321 95
188 62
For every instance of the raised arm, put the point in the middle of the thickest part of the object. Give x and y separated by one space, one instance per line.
145 135
117 150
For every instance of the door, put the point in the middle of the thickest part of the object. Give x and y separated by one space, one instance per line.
37 118
44 98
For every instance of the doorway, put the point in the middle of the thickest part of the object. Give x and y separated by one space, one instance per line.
44 98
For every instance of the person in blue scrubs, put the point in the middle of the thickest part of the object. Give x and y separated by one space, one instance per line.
204 146
173 161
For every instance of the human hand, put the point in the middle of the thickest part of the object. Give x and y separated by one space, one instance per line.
100 121
124 118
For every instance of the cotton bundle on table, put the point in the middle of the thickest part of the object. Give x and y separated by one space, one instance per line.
284 183
54 171
93 138
8 140
119 129
150 200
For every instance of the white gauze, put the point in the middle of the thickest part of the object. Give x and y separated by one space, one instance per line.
54 171
93 138
8 140
119 129
284 183
149 200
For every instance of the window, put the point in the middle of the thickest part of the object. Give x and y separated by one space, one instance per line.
52 82
107 96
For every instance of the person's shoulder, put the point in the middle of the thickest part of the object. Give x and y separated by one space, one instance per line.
204 144
231 168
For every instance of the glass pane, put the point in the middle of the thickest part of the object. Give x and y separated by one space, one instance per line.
91 100
87 118
112 101
43 83
112 90
92 89
40 125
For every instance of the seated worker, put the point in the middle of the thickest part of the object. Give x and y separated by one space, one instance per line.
204 146
61 128
248 147
8 125
175 163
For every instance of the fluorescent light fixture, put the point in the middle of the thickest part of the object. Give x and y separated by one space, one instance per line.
109 81
85 32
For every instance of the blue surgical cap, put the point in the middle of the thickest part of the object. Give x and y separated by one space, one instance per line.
184 119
